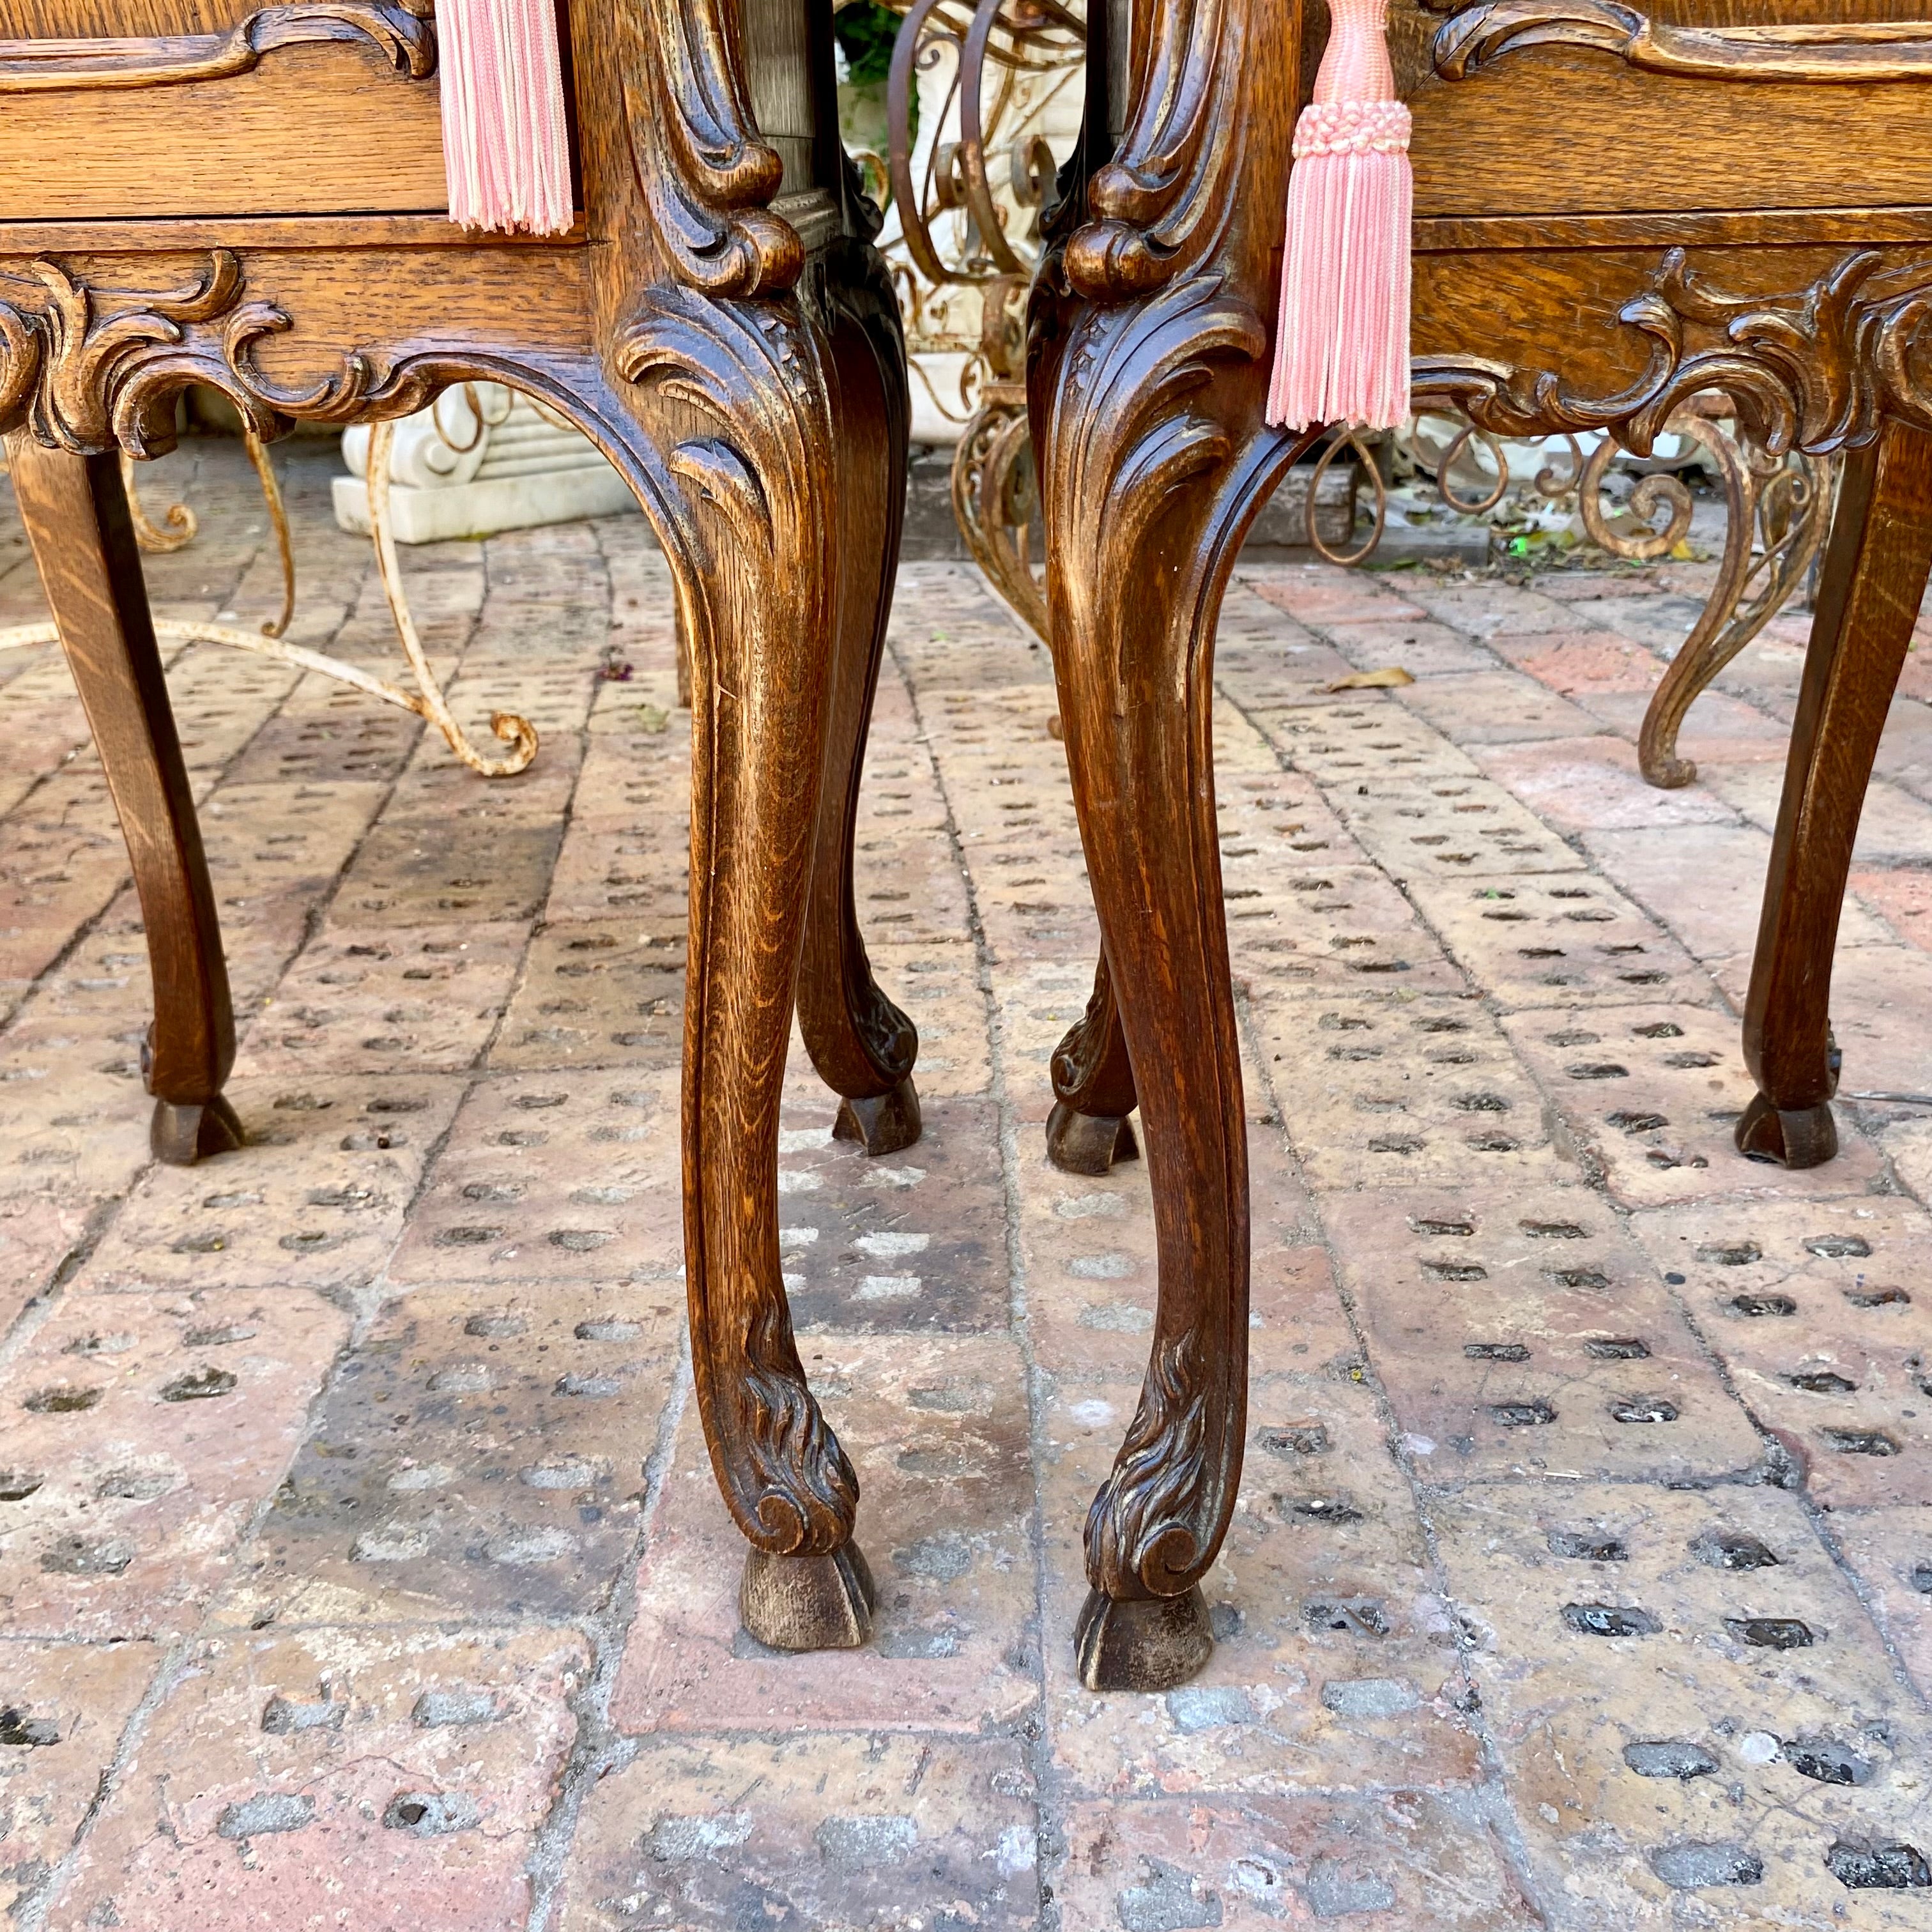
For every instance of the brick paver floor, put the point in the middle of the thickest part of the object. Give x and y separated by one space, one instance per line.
360 1564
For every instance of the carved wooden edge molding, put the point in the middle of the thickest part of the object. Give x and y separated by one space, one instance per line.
1814 369
707 178
1477 36
40 66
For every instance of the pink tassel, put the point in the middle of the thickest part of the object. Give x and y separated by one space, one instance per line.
1342 350
505 147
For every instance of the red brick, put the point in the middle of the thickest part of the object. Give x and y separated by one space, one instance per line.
151 1427
293 1783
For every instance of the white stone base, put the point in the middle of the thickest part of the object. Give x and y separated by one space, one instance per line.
491 503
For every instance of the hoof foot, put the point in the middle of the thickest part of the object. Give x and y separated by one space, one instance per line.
883 1124
1088 1143
181 1135
1807 1137
1150 1643
808 1603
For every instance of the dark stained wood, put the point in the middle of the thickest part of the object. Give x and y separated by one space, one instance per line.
1873 582
1147 365
76 514
1094 1091
860 1042
720 324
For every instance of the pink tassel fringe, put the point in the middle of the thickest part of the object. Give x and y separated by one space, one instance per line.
1342 350
505 148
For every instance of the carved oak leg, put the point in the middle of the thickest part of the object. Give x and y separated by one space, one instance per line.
1093 1093
1147 374
862 1045
734 394
77 516
1868 598
1146 495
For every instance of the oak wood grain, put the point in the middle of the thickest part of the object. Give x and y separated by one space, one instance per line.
314 129
110 19
1837 228
1565 131
1784 13
330 234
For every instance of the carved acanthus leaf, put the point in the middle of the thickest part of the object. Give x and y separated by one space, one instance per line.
1811 52
1122 438
707 177
752 367
1149 1527
797 1484
1812 369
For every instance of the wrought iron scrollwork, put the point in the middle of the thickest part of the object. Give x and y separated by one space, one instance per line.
956 200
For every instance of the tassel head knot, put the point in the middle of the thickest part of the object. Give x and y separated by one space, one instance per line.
1352 127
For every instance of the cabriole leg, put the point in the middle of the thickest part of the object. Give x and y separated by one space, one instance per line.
734 394
1874 579
76 517
1138 552
1147 372
862 1045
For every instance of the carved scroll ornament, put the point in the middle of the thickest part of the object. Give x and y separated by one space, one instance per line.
1841 51
400 31
707 178
1814 370
90 367
1162 202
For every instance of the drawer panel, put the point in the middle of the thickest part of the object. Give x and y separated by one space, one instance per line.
1784 13
313 130
1570 130
118 20
392 288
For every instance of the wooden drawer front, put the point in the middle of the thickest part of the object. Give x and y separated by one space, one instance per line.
118 20
311 130
1785 13
1559 130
